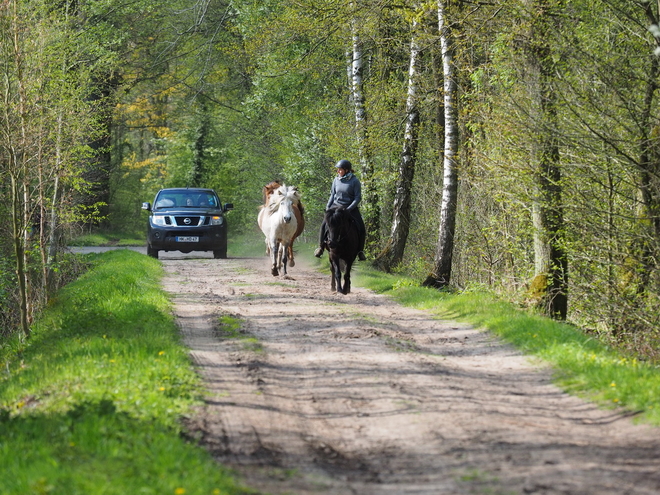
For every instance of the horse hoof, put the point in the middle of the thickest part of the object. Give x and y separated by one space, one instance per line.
292 263
274 272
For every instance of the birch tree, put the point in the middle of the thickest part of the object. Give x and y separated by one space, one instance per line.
393 252
441 275
370 192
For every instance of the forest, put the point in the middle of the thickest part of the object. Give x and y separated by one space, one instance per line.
509 146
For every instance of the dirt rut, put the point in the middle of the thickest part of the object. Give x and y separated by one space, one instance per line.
320 393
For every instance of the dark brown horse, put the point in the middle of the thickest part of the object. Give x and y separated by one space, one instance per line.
298 210
343 246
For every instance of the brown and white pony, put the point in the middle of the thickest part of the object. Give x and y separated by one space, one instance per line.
279 224
298 210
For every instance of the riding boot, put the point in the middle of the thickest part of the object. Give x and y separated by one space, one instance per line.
323 235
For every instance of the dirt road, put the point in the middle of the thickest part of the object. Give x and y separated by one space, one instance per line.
331 394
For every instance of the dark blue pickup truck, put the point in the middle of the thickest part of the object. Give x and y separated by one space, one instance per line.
186 220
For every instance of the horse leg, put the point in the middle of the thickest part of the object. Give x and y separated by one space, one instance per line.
284 250
290 254
274 250
337 276
333 281
347 278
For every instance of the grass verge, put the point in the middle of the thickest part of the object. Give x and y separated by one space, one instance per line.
92 403
582 365
108 239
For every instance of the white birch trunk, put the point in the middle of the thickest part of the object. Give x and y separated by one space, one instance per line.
441 275
370 195
402 196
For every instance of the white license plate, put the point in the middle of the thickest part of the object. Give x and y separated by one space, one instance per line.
187 238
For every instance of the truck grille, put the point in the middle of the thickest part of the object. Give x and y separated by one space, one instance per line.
187 221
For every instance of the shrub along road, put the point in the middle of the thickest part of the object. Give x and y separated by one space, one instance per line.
313 392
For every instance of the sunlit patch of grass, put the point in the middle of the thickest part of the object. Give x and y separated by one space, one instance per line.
582 364
230 327
483 483
104 239
251 344
93 400
277 284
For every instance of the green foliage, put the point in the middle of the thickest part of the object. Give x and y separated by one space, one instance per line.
93 400
233 98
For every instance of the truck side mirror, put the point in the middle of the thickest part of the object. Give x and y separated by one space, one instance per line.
146 206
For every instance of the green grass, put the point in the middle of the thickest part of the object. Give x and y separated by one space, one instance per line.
108 239
92 403
230 328
582 365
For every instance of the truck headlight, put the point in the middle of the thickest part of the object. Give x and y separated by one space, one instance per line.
158 220
217 220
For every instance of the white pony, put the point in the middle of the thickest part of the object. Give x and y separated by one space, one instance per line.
278 222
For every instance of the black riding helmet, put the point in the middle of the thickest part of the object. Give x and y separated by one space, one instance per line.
345 164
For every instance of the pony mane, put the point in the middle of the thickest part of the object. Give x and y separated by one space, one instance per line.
276 198
335 215
275 193
269 188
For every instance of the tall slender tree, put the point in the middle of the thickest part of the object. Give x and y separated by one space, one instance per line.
370 192
441 275
550 284
16 143
393 252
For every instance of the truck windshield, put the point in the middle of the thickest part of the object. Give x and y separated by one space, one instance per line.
186 199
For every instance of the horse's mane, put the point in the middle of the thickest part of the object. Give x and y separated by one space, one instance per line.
291 192
334 216
268 190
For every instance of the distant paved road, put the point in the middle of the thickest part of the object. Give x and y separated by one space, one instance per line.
172 255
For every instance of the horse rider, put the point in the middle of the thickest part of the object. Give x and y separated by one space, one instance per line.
346 191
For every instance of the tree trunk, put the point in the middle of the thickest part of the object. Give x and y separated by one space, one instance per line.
199 147
53 224
369 205
441 275
17 147
19 249
650 149
549 288
644 248
393 252
100 170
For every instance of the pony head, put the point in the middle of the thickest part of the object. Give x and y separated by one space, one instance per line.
282 199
